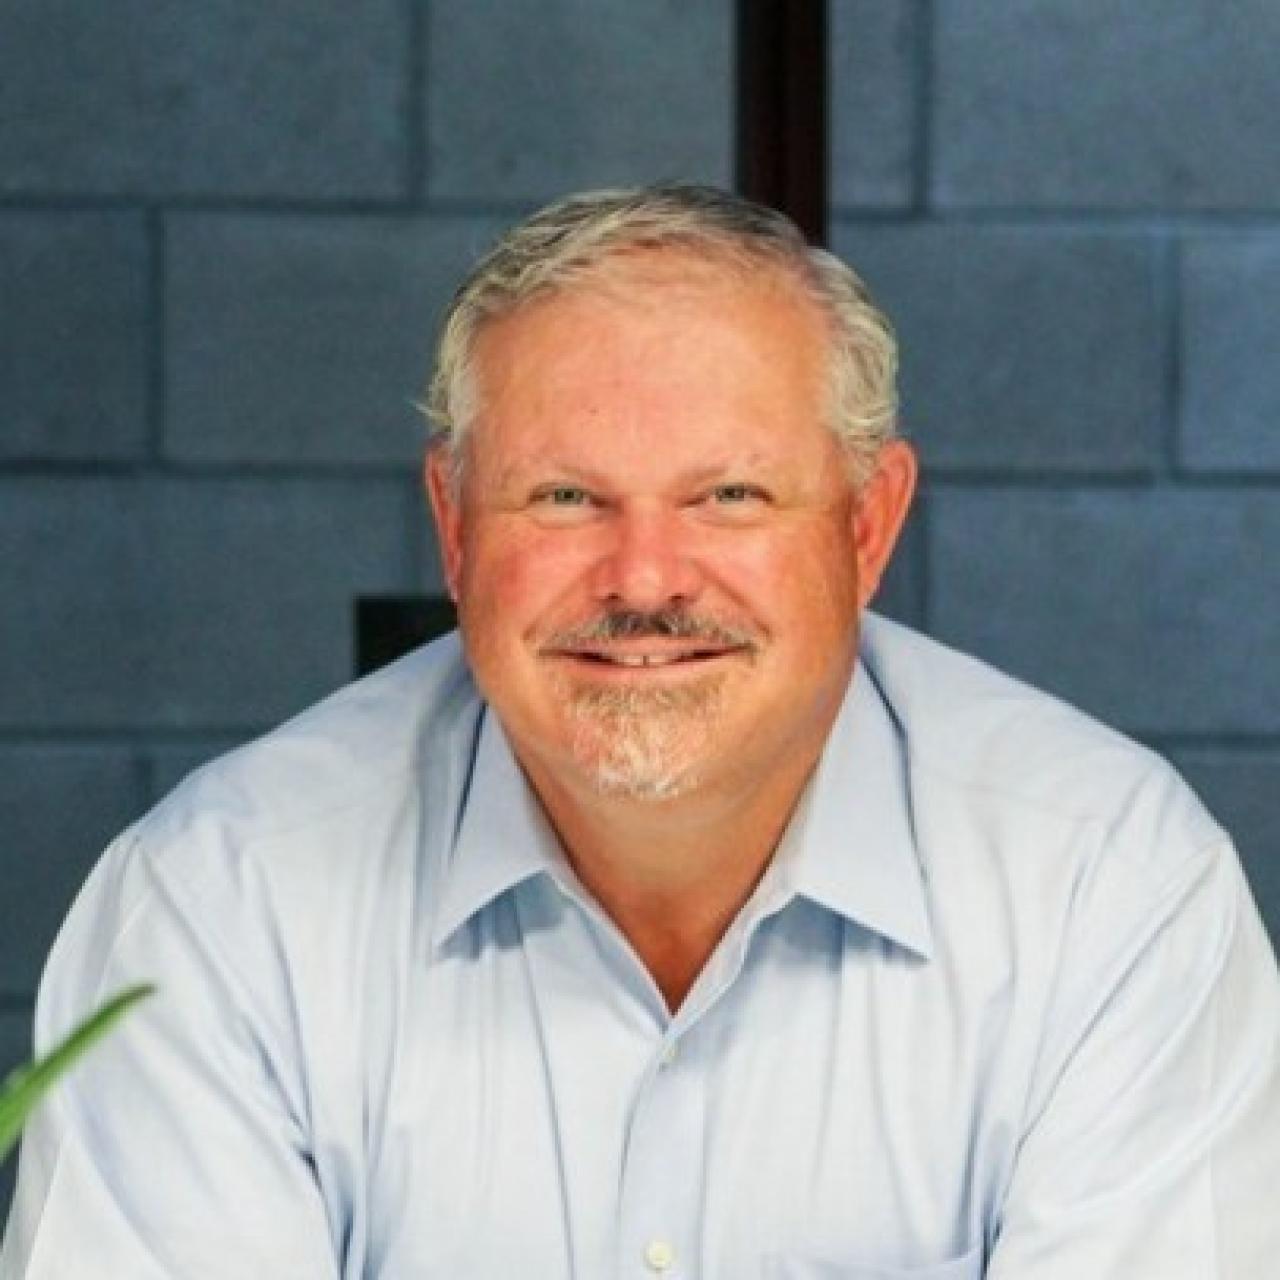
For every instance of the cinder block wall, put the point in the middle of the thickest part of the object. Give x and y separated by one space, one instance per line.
226 231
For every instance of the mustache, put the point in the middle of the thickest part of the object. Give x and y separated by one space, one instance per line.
678 624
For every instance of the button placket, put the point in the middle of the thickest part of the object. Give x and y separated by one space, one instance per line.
660 1193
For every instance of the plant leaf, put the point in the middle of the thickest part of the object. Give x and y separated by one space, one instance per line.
27 1085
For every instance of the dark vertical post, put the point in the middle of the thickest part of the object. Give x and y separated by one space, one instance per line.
782 108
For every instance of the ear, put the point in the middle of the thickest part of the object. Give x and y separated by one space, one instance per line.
446 505
881 509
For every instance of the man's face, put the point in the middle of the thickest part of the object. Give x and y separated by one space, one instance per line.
656 550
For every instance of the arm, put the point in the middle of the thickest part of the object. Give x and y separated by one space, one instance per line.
179 1147
1152 1147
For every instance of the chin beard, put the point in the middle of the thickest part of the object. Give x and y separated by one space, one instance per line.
645 744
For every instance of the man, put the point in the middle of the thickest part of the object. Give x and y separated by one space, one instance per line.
682 919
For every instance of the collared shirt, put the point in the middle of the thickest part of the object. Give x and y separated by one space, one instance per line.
1000 1007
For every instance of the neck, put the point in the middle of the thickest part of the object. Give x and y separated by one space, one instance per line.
673 874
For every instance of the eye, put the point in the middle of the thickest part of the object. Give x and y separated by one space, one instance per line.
563 495
734 495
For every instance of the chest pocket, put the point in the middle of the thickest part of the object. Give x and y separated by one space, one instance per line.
966 1267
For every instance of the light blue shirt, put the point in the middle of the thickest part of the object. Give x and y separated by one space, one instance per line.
1000 1007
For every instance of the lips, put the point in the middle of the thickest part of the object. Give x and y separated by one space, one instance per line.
632 640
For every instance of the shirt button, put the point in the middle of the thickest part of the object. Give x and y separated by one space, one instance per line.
670 1053
659 1255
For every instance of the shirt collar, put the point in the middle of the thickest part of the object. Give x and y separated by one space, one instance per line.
849 846
503 838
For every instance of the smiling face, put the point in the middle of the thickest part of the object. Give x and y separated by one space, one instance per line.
656 551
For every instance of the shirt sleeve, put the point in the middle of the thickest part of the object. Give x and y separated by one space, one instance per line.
178 1147
1152 1146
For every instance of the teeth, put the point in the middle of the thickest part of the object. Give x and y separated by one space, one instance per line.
643 659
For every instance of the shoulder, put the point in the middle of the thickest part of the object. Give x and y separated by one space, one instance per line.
388 726
398 733
341 803
1055 852
312 851
1024 761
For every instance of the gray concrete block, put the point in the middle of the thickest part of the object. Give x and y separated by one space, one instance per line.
874 68
59 806
1090 104
15 1040
527 101
1240 789
1157 610
15 1049
1022 349
211 604
73 336
303 98
305 339
1230 293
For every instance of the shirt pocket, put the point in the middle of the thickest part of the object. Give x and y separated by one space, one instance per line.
967 1266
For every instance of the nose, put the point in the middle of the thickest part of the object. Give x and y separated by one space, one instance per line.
647 564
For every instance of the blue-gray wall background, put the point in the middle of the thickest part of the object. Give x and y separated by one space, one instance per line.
226 229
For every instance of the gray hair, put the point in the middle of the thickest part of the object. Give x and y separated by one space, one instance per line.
566 242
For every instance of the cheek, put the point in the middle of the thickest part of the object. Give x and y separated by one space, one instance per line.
514 577
811 578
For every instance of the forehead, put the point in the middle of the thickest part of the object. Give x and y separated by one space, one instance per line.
651 330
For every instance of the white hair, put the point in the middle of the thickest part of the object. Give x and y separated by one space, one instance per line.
565 243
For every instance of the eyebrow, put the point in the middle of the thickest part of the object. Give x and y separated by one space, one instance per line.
526 469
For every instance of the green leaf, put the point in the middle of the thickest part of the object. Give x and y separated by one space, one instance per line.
27 1085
